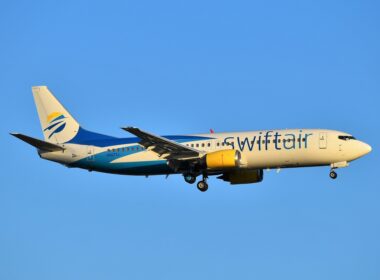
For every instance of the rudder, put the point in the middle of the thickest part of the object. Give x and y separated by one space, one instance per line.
57 123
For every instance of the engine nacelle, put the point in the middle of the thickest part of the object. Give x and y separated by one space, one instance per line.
243 176
222 159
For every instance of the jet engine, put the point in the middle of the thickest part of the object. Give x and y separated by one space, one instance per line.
222 159
243 176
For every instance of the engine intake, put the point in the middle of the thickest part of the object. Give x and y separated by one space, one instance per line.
222 159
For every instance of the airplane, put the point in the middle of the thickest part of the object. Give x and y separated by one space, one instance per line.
235 157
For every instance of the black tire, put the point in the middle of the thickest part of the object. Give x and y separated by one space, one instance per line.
202 186
333 175
190 179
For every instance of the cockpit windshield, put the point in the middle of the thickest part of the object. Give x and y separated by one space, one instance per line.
346 137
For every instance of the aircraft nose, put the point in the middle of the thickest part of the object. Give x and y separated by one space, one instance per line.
365 148
369 148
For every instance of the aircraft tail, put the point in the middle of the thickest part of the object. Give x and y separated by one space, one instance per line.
57 124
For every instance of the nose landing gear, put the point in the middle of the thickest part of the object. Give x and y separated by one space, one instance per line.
333 174
336 165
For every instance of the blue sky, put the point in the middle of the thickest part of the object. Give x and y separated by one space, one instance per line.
184 67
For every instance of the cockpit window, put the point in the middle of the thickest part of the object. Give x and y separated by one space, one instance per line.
346 137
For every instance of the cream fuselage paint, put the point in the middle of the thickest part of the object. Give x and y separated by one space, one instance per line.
259 150
291 148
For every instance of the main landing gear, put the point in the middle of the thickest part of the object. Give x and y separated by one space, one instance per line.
333 174
189 178
201 185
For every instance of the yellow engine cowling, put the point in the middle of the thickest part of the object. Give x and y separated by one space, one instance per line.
243 176
223 159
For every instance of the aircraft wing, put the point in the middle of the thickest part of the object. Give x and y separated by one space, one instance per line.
39 144
164 147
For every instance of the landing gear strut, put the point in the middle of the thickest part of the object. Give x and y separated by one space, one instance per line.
202 185
333 174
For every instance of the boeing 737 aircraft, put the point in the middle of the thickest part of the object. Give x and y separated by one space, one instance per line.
235 157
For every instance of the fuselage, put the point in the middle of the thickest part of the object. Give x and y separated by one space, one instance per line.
262 149
235 157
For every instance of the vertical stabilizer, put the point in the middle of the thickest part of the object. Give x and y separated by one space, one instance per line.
57 124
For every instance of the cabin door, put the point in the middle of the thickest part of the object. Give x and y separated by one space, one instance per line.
322 140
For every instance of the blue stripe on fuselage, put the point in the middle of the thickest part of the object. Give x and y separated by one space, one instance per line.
85 137
104 162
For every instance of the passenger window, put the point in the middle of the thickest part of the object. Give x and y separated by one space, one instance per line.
208 145
192 145
203 144
197 145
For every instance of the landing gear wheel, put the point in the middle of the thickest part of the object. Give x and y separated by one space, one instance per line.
190 179
202 186
333 174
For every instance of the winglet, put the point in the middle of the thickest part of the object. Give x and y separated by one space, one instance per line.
129 128
135 131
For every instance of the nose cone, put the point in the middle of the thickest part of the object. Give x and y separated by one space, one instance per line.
365 148
369 148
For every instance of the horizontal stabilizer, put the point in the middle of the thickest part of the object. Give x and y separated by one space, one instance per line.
39 144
